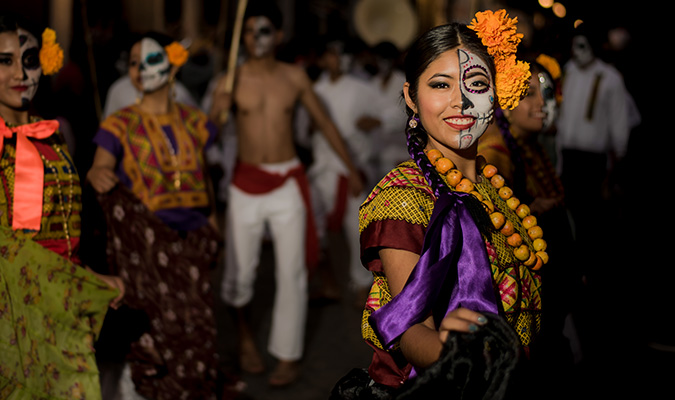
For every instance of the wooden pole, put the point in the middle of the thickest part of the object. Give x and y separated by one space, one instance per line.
90 58
234 46
234 51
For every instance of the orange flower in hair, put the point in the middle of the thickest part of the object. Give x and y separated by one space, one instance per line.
498 33
51 53
178 55
551 65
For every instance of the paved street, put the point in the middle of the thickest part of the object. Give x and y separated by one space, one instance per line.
333 342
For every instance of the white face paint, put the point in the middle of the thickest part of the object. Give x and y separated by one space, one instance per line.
154 66
476 86
582 53
263 33
30 63
550 103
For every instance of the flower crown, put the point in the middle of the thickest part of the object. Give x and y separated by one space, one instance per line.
51 53
177 54
498 33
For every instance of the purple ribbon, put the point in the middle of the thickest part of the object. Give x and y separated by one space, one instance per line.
453 271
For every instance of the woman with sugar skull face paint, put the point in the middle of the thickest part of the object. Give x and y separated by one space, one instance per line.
442 244
150 171
52 306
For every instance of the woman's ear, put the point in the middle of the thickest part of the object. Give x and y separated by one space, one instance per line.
409 101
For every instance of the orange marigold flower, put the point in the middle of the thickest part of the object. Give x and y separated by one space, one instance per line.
48 36
51 54
551 65
512 84
177 54
499 34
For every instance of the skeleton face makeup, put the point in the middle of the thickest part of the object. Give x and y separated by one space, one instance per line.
550 102
261 34
477 96
30 63
582 53
454 100
154 65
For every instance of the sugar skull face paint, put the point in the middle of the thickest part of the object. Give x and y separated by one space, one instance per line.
154 66
547 88
582 52
455 100
477 97
259 36
30 63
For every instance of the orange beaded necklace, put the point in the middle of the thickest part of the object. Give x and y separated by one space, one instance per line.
532 252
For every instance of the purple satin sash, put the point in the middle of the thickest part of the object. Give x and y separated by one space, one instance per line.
453 271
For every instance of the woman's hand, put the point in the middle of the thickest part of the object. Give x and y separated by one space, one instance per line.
102 179
102 176
460 320
114 282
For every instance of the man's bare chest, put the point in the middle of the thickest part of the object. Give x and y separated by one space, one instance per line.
265 95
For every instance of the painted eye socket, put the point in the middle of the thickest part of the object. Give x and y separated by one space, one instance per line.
265 31
30 59
476 79
154 58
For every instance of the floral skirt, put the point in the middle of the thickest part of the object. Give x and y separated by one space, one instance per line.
166 275
51 312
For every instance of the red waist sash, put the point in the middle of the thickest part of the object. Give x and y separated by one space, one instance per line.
254 180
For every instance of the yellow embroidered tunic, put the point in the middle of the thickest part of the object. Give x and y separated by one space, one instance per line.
396 214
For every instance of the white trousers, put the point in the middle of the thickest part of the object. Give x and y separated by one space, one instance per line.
284 213
324 185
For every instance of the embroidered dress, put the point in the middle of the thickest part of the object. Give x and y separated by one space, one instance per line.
161 159
167 275
51 310
396 215
161 245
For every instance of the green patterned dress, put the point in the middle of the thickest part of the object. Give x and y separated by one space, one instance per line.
51 309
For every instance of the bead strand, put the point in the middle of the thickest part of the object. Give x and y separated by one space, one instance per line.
64 214
533 258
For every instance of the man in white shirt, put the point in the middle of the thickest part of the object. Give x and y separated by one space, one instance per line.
592 136
353 105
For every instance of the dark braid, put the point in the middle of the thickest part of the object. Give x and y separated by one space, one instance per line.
417 138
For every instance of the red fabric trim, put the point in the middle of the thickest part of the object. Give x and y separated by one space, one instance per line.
337 215
389 233
253 180
60 247
385 370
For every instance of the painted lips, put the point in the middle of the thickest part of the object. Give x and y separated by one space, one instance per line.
460 123
20 88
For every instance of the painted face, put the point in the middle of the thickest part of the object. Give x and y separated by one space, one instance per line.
550 102
582 53
11 73
455 99
478 96
259 36
30 62
154 66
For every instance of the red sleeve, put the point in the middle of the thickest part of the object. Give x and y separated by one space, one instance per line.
389 233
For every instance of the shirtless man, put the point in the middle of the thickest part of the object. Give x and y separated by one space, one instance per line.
269 186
